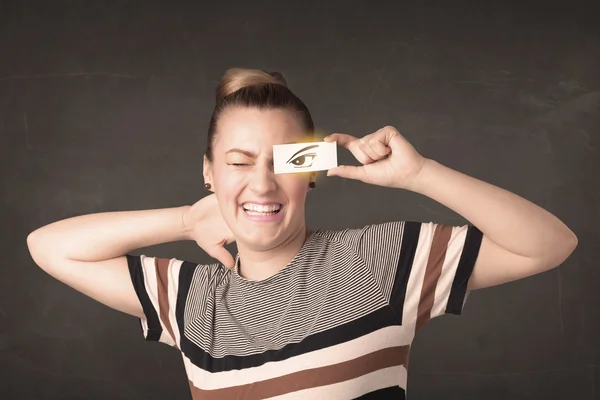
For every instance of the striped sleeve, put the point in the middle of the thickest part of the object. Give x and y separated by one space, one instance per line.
423 269
161 286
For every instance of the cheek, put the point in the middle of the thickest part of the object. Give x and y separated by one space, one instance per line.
295 190
230 184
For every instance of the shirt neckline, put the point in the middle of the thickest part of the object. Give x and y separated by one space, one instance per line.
295 260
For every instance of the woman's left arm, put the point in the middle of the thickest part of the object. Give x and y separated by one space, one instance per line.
520 239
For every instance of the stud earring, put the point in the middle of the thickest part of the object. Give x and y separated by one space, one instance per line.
207 186
312 184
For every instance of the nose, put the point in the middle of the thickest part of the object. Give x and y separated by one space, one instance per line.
263 179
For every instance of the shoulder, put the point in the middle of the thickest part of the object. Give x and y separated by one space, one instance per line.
354 236
384 239
179 271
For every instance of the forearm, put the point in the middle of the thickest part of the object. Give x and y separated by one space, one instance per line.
509 220
101 236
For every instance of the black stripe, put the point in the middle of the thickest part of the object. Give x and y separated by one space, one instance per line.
464 270
410 239
137 278
393 392
186 273
372 322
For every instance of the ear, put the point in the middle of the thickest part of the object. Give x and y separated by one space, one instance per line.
207 171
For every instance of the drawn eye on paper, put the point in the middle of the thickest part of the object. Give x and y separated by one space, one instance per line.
304 157
304 160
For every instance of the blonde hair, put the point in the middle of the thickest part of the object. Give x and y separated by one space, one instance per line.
255 88
235 79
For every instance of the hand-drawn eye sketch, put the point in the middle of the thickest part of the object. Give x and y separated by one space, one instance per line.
304 157
301 160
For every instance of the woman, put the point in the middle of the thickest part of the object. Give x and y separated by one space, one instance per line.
304 314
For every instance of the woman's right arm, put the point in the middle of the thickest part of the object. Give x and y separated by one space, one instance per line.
88 252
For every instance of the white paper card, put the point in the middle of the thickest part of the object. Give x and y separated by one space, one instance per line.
304 157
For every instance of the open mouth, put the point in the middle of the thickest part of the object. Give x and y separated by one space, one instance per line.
262 210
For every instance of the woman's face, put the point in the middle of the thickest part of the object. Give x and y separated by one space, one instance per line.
263 210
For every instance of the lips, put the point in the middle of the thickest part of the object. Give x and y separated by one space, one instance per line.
262 203
263 216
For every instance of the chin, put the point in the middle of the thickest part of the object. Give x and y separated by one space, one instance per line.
263 243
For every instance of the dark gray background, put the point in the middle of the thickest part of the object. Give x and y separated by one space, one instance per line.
104 106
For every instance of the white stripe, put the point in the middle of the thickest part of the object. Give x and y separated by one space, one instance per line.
417 276
174 269
444 285
165 337
383 378
391 336
144 323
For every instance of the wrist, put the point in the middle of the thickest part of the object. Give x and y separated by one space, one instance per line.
185 226
422 179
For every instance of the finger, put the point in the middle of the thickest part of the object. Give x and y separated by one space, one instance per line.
225 257
347 171
358 151
341 138
353 144
391 137
378 148
365 146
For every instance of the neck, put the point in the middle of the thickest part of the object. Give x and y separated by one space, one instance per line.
260 265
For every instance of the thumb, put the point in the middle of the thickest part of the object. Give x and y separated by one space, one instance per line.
347 171
225 257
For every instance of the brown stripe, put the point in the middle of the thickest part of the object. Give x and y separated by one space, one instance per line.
311 378
433 271
162 281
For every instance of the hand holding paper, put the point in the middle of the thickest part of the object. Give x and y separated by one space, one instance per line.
388 158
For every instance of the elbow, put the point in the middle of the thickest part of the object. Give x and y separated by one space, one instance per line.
31 240
573 243
45 248
563 250
32 245
38 250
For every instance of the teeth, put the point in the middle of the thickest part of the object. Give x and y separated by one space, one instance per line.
260 208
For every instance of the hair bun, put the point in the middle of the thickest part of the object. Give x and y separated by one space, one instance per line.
235 79
279 77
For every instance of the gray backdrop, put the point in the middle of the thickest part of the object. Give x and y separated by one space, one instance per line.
104 106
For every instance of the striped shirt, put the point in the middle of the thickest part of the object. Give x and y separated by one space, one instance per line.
336 323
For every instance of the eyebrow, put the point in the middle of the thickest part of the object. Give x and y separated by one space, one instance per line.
251 154
304 149
244 152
